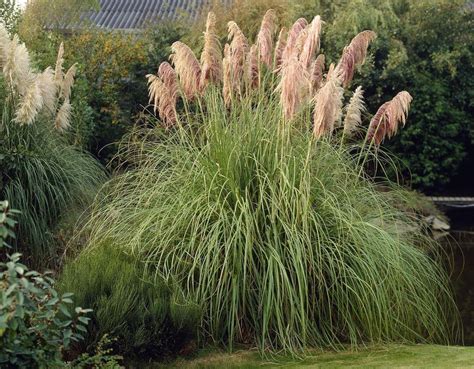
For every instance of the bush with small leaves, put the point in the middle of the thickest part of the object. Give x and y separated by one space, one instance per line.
36 323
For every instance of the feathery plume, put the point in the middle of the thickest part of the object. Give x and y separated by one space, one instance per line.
353 55
68 81
293 36
312 42
16 69
293 86
389 116
62 118
169 78
48 89
328 107
316 73
58 70
252 67
238 50
30 104
227 87
164 101
4 44
354 111
265 37
187 68
211 55
280 47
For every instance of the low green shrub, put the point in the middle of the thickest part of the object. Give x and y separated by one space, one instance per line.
36 323
140 310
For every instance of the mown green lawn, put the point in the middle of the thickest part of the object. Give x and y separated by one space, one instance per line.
418 356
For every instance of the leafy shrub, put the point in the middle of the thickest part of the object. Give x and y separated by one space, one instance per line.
41 173
425 47
36 324
141 311
278 233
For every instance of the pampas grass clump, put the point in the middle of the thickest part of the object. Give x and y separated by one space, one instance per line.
251 204
41 174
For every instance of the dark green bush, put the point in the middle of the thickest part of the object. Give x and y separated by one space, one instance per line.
36 323
139 309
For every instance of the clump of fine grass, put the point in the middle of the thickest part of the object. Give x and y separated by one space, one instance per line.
146 316
276 232
41 174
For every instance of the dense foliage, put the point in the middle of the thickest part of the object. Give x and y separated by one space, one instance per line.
36 323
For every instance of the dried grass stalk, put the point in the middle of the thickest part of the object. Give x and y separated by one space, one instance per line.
58 70
68 81
187 68
163 100
48 89
294 86
265 37
252 67
386 121
354 110
227 86
238 50
169 78
354 55
280 47
211 59
317 73
328 107
293 36
312 42
63 117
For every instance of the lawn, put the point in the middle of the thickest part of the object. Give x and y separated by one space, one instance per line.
418 356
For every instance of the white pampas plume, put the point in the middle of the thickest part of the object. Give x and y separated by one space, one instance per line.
293 86
48 89
58 70
328 107
30 104
187 68
316 73
265 37
227 87
252 67
354 55
62 118
280 47
312 42
211 55
354 110
68 82
4 44
16 69
386 121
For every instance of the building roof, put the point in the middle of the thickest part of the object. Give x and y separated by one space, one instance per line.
135 14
